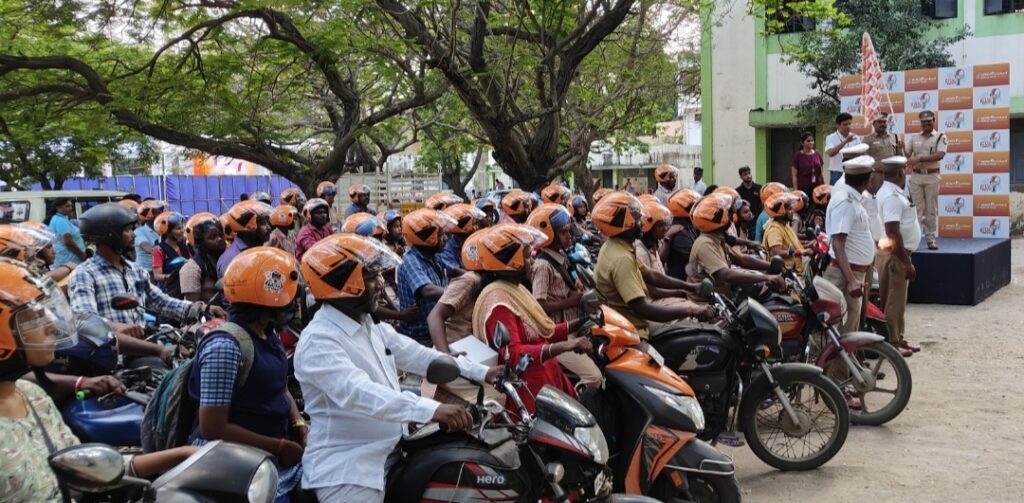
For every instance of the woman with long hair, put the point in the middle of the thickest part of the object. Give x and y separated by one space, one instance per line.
807 167
170 225
198 277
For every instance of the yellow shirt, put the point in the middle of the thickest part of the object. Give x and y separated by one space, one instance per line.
709 255
778 233
619 278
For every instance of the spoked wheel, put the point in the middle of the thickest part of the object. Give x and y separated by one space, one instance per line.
819 431
887 383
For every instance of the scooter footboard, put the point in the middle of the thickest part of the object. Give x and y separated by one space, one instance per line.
698 456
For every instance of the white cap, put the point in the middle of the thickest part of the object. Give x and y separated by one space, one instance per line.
858 149
859 165
898 160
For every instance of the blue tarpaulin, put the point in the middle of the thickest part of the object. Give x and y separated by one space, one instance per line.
184 193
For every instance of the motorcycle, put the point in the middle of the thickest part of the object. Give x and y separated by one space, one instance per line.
792 416
217 472
808 314
558 453
657 450
874 317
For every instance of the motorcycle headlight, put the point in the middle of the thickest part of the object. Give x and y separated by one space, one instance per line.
682 403
263 486
593 438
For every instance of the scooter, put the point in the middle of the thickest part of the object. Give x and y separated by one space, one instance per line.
217 472
792 416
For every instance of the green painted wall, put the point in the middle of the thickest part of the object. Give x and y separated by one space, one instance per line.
707 138
1001 24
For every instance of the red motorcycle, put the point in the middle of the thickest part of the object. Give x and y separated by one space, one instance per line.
874 319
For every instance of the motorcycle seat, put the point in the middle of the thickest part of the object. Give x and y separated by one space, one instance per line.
431 435
684 328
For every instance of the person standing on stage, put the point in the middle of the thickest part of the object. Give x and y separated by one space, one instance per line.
923 153
902 235
881 143
834 143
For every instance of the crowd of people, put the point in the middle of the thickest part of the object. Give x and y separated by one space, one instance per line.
394 291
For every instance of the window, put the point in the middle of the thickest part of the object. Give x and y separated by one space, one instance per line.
1003 6
12 212
939 9
793 22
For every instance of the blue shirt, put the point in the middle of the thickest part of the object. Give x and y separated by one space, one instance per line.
237 246
451 255
762 220
94 284
145 234
60 225
415 272
356 208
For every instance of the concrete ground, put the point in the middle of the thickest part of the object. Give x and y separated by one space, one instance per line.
961 438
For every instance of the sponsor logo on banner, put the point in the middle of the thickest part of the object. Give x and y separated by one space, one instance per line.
849 85
991 183
911 123
991 227
919 101
997 140
955 99
921 80
892 81
960 162
959 185
896 99
991 162
956 120
956 227
955 77
960 141
896 124
992 97
994 118
992 206
992 75
850 104
860 127
955 206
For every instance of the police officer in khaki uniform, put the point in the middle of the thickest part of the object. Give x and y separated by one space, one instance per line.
881 143
923 153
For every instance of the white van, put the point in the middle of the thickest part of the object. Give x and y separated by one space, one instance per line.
33 205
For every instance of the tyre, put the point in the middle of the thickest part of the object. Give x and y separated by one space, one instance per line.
821 429
704 488
888 383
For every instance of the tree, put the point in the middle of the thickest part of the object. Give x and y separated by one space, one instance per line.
308 90
543 80
450 143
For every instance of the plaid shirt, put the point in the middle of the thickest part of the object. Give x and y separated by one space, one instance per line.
94 284
416 272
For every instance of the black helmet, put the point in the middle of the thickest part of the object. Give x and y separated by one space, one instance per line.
103 224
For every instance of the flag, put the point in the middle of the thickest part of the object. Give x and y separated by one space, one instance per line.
871 85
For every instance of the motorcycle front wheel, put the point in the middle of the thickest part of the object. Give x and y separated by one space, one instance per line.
887 386
703 488
823 421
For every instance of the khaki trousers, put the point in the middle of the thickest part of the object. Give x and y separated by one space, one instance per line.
893 286
853 304
582 366
924 192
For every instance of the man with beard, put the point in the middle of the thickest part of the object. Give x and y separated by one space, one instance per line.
422 277
250 223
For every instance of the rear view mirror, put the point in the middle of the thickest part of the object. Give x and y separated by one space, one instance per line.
442 370
124 303
590 304
175 265
776 265
707 289
219 285
585 276
88 466
501 338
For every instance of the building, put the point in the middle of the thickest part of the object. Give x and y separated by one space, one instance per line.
748 93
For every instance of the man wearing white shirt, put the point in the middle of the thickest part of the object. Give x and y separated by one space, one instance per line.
902 236
836 142
348 363
849 230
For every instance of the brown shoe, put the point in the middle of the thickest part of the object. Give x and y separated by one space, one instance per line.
853 402
904 352
906 345
932 245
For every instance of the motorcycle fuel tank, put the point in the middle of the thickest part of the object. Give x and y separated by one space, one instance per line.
689 348
789 313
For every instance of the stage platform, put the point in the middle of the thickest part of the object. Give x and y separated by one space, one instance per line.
961 271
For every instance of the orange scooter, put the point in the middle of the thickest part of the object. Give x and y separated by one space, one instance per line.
651 418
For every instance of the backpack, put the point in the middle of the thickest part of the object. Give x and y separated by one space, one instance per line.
171 414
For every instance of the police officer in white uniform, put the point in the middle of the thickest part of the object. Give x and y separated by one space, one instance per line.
849 230
902 237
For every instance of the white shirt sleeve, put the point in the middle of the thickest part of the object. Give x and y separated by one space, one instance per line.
832 140
845 217
890 208
414 357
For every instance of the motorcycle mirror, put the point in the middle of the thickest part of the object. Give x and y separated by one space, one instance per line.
590 304
792 250
442 370
174 265
124 303
501 338
586 277
706 289
88 466
219 285
776 265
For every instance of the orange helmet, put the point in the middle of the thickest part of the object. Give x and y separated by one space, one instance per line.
467 217
326 189
776 205
599 193
195 220
502 248
22 243
821 195
364 224
148 210
357 189
648 197
31 306
555 193
293 197
770 189
801 200
424 226
516 203
130 204
549 218
731 192
283 216
617 213
262 196
655 212
313 204
262 276
245 216
712 213
225 223
681 202
665 172
442 200
335 266
164 222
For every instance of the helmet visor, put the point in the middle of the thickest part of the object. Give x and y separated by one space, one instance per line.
375 256
47 321
528 235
